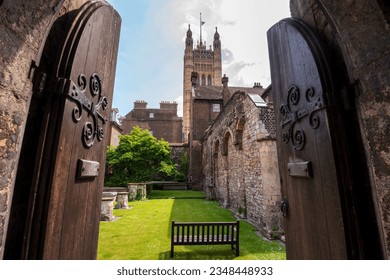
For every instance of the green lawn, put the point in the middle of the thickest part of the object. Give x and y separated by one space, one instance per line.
143 232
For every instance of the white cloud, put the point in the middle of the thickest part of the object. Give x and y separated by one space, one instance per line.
159 50
227 56
242 26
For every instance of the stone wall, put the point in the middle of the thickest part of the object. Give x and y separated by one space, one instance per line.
357 32
239 163
23 28
137 191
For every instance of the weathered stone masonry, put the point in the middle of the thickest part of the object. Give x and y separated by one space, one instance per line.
239 162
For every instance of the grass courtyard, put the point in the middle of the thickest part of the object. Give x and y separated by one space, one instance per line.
143 232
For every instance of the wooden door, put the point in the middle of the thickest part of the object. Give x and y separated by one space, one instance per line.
301 86
327 199
72 102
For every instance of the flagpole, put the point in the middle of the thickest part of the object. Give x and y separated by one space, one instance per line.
200 22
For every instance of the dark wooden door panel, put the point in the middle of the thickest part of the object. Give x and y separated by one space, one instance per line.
310 185
65 223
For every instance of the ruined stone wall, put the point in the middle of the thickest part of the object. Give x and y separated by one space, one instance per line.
23 28
240 164
358 32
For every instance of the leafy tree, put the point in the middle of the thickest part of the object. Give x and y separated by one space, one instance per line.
139 157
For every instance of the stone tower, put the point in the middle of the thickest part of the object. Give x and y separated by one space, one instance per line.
206 63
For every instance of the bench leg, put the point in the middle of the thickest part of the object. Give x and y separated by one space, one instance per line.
172 251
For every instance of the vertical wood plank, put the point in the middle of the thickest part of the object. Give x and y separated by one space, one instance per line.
314 203
73 213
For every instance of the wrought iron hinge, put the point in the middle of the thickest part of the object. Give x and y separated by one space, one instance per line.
81 93
300 105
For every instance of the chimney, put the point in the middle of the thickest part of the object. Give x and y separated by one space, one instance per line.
168 105
225 90
140 104
225 81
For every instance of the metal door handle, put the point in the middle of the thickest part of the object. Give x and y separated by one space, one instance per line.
284 207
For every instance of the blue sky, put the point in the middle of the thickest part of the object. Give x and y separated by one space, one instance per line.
151 48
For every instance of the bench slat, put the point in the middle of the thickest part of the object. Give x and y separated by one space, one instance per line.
212 239
211 233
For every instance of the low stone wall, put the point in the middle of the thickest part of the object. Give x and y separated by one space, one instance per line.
137 191
107 206
122 199
115 189
175 186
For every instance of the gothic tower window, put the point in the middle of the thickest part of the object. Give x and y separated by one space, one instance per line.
203 80
209 80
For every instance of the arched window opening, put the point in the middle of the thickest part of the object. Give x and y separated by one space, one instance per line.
203 80
215 171
225 147
209 80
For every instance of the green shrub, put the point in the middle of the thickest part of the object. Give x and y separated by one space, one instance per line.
139 157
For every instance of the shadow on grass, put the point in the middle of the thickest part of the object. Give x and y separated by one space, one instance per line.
143 233
204 252
192 207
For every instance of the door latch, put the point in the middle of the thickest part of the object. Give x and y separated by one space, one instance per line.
284 208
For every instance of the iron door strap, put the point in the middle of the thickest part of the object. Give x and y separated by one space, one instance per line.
82 93
284 207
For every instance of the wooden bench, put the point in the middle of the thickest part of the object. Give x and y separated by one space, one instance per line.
211 233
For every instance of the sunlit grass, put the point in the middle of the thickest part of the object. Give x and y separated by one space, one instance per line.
143 232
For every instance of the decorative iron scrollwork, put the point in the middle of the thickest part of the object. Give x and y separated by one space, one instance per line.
93 129
289 117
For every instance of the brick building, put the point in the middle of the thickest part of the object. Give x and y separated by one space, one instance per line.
163 123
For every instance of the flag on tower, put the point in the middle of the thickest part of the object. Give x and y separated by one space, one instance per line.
200 27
